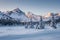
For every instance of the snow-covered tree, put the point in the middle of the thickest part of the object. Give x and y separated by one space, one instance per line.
31 23
26 26
41 24
53 24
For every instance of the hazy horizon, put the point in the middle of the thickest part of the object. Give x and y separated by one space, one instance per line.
38 7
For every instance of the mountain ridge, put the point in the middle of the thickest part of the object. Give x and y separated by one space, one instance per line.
19 14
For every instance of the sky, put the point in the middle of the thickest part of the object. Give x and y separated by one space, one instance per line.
38 7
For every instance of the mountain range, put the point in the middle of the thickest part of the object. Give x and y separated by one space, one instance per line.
17 14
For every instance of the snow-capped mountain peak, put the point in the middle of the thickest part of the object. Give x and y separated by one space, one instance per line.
17 10
17 14
33 16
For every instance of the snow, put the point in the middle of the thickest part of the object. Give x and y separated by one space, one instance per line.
16 30
20 33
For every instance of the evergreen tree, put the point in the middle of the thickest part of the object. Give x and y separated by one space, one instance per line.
53 24
31 23
26 26
41 24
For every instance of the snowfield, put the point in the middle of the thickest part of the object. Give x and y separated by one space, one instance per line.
20 33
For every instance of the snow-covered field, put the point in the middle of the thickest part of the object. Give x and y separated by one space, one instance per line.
20 33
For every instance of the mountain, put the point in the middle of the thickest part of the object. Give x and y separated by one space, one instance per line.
52 14
33 16
6 20
4 16
49 15
17 14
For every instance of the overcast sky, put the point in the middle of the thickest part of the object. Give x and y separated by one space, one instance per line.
39 7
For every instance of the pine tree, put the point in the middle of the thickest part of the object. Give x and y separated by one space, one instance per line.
53 24
31 23
26 26
41 24
37 25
